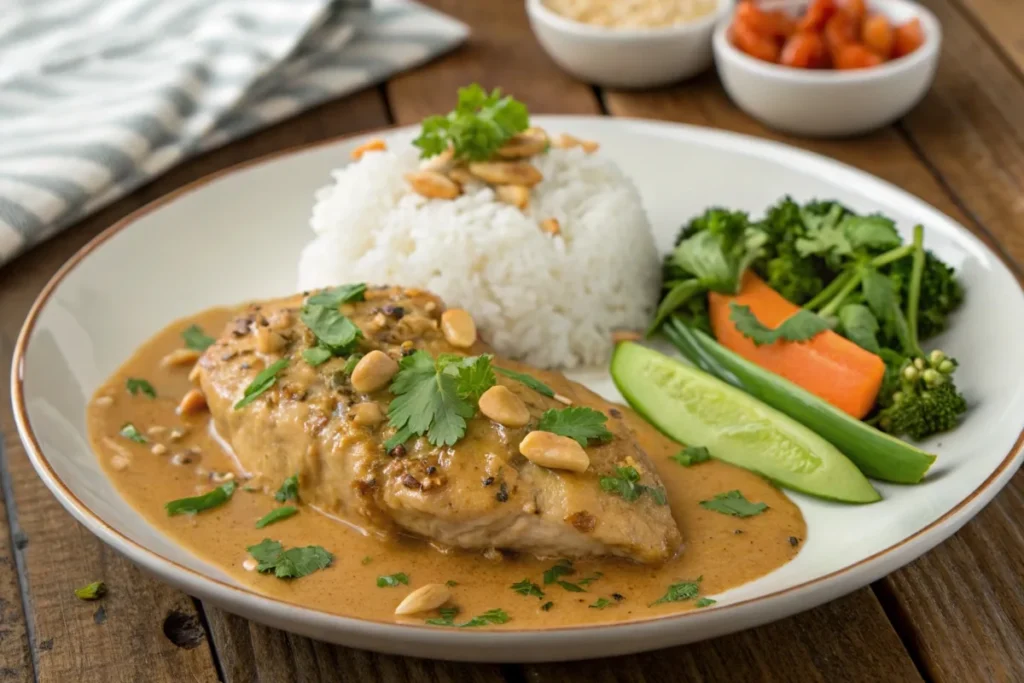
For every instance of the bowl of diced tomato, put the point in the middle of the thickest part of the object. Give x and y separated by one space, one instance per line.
827 68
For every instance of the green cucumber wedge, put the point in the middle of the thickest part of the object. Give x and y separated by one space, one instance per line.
695 408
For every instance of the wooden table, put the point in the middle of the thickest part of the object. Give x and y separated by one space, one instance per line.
955 615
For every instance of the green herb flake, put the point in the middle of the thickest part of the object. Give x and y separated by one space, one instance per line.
692 455
293 563
136 385
263 381
480 123
206 501
559 569
733 503
289 490
600 603
392 580
351 363
451 583
339 295
527 587
94 591
448 614
195 339
679 592
801 326
366 560
529 381
276 515
704 602
317 355
571 587
547 606
576 422
333 330
130 432
625 483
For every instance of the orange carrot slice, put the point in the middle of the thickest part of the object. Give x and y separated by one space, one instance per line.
828 365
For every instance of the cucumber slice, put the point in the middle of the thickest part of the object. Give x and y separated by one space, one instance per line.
693 407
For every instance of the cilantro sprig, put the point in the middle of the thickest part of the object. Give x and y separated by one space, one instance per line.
528 380
261 382
801 326
276 515
136 385
196 339
206 501
734 504
448 614
679 592
692 455
527 587
289 564
576 422
625 483
392 580
480 123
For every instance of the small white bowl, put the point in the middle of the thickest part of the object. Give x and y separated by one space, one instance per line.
829 103
626 57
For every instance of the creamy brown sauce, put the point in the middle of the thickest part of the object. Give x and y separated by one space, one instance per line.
726 551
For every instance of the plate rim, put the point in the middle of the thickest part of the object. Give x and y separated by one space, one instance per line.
921 541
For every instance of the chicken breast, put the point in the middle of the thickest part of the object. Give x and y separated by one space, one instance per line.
480 493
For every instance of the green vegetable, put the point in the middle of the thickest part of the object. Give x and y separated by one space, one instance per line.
93 591
317 355
206 501
529 381
293 563
435 398
527 587
450 583
692 455
448 614
195 339
733 503
263 381
857 324
332 298
479 125
876 454
576 422
547 606
690 405
289 490
130 432
600 603
579 586
392 580
801 326
559 569
276 515
704 602
678 592
352 362
135 385
333 330
625 484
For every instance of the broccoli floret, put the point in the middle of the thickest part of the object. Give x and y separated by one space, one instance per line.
796 277
791 276
717 221
941 292
927 402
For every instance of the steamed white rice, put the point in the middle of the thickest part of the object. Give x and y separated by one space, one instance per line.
549 301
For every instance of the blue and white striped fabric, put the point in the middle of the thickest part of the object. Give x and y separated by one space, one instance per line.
99 96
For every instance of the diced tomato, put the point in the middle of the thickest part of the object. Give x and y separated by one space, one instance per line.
877 35
840 30
818 12
856 56
804 50
753 43
907 38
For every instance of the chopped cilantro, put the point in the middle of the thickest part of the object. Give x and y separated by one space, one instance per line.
704 602
600 603
547 606
289 564
194 504
480 123
733 503
576 422
527 587
801 326
366 560
263 381
129 432
451 583
529 381
317 355
351 363
333 330
559 569
276 515
135 385
678 592
571 587
94 591
289 490
392 580
448 614
625 484
338 295
195 339
692 455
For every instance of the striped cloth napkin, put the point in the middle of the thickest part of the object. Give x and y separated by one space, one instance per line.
99 96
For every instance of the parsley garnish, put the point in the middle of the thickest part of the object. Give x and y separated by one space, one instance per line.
733 503
263 381
547 606
392 580
801 326
338 295
579 586
529 381
448 614
289 564
600 603
94 591
576 422
289 490
435 398
625 484
560 568
704 602
333 330
317 355
527 587
678 592
479 125
135 385
276 515
129 432
692 455
451 583
195 339
194 504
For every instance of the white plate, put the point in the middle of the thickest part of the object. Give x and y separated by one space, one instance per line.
237 236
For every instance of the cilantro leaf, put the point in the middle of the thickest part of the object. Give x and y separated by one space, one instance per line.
317 355
206 501
130 432
93 591
678 592
874 231
332 329
479 125
718 259
276 515
289 490
529 381
571 587
289 564
447 617
392 580
801 326
527 587
261 382
135 385
704 602
576 422
352 362
626 484
824 233
860 326
560 568
448 614
547 606
600 603
475 376
195 339
733 503
885 304
451 583
429 398
692 455
332 298
679 294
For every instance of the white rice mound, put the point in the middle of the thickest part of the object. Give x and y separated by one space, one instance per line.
548 301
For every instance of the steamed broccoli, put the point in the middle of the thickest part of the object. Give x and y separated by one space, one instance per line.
941 292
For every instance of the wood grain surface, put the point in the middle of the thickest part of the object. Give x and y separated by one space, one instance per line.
957 614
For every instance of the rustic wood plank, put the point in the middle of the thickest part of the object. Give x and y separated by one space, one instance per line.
1001 20
15 655
143 630
847 640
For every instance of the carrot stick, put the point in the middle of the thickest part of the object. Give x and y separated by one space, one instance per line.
829 366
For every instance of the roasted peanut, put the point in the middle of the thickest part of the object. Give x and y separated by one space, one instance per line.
516 195
433 185
268 341
424 598
375 145
192 402
440 163
566 141
373 372
554 451
180 357
522 146
506 172
462 176
458 328
504 407
367 414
